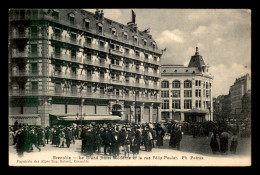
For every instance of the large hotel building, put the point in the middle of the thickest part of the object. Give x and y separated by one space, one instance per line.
73 63
186 92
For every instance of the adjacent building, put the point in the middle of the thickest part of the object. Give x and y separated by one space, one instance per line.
240 87
186 92
222 107
72 63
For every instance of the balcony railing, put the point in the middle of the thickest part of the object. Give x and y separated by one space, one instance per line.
102 80
116 52
66 40
66 57
83 95
96 47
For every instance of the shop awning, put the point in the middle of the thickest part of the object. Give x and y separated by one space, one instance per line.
89 118
197 111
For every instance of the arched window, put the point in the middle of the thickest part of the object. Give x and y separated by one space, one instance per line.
176 84
187 84
165 84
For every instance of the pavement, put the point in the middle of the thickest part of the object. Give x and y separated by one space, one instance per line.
193 152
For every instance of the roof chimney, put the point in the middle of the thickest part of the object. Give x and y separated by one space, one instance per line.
197 51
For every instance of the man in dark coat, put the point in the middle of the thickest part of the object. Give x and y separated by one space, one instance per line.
89 142
178 137
68 136
20 142
83 137
172 142
115 143
106 141
47 134
160 134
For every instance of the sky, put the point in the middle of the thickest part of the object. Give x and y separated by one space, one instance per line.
223 37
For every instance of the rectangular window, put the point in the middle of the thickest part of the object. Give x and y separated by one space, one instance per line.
198 104
34 48
89 41
34 31
187 104
117 47
87 25
126 51
72 19
101 43
100 29
165 104
207 85
176 93
73 36
73 54
117 91
146 56
125 36
187 93
57 87
57 33
34 85
198 93
164 93
34 68
176 104
57 51
207 93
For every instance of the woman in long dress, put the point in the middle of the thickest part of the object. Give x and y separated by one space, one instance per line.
214 143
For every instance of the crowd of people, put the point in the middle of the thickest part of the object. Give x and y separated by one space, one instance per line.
114 139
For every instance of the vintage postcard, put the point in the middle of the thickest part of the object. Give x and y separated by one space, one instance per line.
129 87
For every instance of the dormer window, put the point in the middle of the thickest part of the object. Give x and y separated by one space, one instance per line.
146 56
137 53
135 39
87 23
100 28
145 42
125 36
72 18
113 31
117 47
126 50
55 14
153 45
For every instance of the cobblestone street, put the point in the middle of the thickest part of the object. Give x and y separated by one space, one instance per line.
194 151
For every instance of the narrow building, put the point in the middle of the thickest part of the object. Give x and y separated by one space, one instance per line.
186 92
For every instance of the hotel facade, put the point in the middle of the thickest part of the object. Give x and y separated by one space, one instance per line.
74 63
186 92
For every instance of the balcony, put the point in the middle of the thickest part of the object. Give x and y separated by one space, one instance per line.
66 57
96 63
65 40
133 56
116 52
117 67
19 36
20 54
24 74
96 47
77 94
153 74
